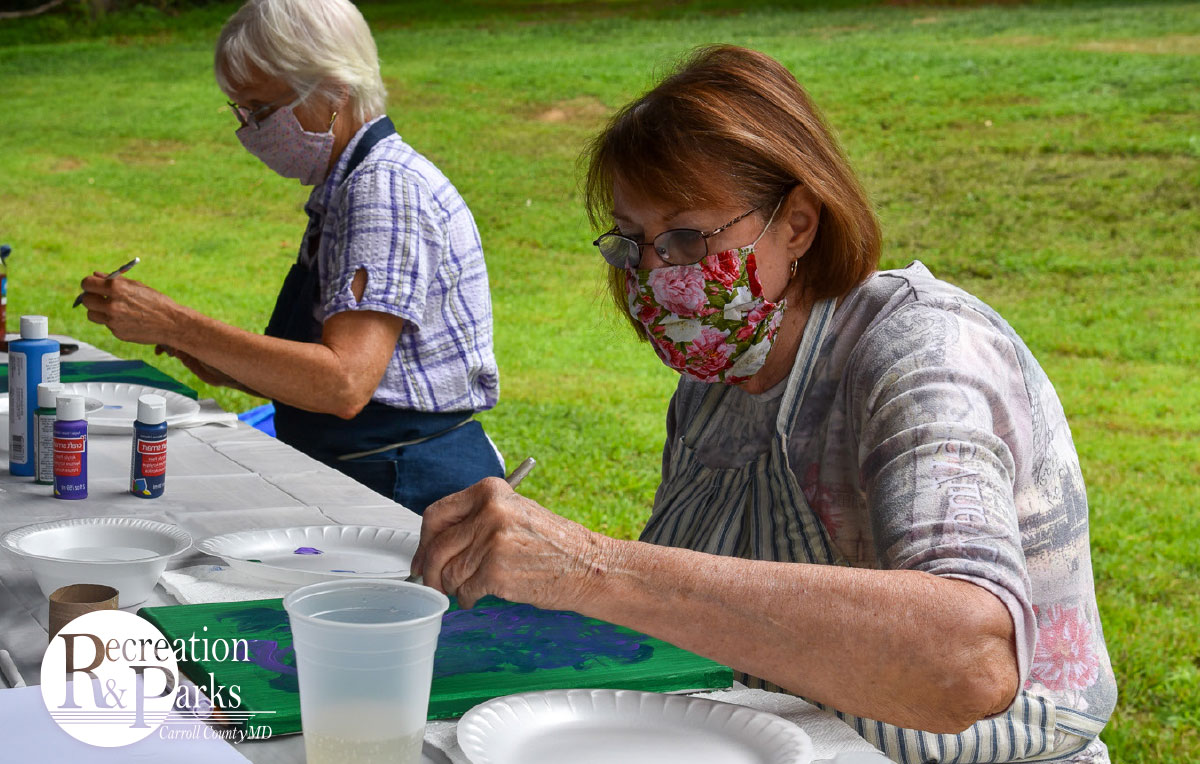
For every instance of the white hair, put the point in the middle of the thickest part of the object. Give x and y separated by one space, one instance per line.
320 47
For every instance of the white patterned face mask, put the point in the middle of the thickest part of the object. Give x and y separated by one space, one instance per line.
282 144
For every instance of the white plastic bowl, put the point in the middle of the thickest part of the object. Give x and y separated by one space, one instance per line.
126 553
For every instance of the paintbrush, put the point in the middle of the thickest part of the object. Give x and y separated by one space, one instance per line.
9 669
112 275
519 473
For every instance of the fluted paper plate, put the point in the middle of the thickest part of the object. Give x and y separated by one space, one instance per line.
315 553
89 404
120 401
626 726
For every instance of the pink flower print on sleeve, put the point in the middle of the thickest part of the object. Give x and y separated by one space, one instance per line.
1064 657
820 499
679 290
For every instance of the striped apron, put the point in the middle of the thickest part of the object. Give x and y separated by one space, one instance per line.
758 511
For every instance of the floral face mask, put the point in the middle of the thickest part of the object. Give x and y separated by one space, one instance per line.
708 319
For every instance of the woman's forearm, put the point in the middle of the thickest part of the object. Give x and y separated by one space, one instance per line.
337 378
904 647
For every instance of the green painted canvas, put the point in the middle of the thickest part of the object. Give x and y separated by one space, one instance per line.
496 648
132 372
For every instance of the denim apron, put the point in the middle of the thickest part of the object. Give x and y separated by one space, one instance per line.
412 457
758 512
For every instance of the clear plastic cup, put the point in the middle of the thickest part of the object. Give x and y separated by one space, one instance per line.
364 655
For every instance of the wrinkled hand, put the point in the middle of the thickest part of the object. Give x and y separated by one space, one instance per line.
132 311
207 374
488 539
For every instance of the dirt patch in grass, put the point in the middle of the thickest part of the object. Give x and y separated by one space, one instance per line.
1174 45
67 164
950 3
584 110
826 33
151 153
1016 41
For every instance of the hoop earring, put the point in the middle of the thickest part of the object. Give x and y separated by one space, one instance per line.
792 270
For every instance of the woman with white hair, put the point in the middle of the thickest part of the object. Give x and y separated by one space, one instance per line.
379 350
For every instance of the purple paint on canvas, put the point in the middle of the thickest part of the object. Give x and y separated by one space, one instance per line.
505 636
267 654
307 550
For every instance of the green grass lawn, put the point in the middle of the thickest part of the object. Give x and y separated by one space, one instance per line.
1044 157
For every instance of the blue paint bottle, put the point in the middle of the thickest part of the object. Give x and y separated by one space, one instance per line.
148 464
32 360
70 449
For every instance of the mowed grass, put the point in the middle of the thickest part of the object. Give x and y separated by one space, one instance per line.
1044 157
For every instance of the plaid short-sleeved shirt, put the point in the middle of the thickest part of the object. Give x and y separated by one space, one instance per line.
399 218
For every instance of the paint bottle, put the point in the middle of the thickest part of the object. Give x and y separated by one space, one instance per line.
32 360
5 250
70 449
44 417
148 464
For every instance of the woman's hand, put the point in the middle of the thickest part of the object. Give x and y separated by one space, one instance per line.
206 373
132 311
487 539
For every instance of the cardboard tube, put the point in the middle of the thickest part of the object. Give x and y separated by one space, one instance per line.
70 602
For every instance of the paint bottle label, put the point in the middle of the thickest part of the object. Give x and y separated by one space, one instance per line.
3 308
148 463
17 409
70 459
43 451
148 472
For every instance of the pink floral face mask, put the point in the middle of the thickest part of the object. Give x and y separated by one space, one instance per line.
708 319
287 148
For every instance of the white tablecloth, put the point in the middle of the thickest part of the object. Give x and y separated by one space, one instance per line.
219 479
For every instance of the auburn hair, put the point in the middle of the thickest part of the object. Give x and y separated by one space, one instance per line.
733 124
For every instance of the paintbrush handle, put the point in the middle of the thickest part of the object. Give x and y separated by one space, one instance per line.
123 269
9 669
520 472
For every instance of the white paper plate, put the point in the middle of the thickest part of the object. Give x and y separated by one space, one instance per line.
626 726
126 553
89 404
316 553
120 404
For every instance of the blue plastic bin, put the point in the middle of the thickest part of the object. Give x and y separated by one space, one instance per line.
260 418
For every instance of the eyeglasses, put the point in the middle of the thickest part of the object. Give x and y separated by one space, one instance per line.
251 118
679 246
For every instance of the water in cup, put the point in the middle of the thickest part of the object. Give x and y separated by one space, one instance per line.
364 660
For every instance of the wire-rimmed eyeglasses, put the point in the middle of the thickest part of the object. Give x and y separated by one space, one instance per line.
251 117
678 246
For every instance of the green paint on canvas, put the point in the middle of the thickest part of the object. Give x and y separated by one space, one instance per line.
497 648
130 372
